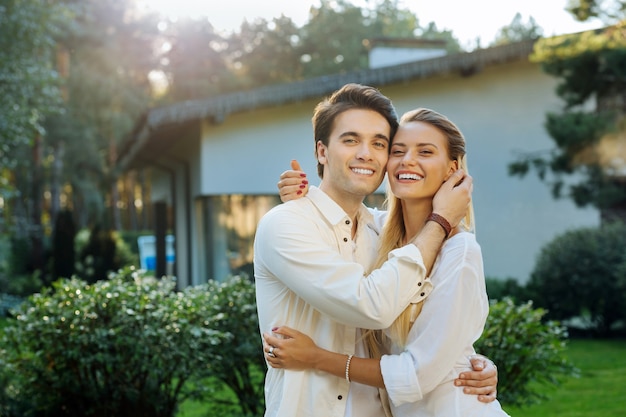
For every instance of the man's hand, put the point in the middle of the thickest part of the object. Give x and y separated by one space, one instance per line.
453 197
293 183
482 381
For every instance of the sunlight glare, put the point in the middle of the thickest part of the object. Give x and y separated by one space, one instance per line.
175 9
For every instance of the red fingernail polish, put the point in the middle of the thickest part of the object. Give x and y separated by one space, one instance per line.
303 175
274 329
305 182
299 192
302 185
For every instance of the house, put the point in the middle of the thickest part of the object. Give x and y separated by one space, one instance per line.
215 163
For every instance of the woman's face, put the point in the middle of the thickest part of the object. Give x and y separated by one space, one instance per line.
418 161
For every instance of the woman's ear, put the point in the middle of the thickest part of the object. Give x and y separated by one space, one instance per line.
454 166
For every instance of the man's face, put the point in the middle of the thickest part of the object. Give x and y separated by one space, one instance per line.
356 156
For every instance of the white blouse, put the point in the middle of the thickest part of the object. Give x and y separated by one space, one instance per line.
441 339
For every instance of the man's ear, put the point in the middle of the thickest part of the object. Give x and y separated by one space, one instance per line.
321 153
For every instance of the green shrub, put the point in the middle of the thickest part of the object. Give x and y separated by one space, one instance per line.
127 346
242 366
528 352
582 273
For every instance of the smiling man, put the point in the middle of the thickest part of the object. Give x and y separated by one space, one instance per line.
313 257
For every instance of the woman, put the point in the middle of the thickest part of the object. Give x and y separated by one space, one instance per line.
435 337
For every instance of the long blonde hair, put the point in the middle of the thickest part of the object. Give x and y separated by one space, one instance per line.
393 233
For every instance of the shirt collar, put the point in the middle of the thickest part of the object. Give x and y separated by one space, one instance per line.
332 211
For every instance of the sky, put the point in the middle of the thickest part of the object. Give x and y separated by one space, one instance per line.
467 19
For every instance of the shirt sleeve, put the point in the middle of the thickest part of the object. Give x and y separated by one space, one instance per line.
307 259
451 320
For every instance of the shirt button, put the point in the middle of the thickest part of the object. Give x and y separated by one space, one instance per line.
347 221
345 239
422 294
419 284
340 397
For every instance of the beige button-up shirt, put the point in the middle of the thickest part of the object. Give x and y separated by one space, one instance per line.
307 278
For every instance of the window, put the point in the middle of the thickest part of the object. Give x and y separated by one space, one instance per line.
230 223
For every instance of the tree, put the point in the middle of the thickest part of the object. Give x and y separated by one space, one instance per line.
583 10
266 52
351 26
28 80
109 55
63 254
195 64
518 31
589 162
29 87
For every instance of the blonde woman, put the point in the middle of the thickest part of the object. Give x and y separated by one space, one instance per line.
430 344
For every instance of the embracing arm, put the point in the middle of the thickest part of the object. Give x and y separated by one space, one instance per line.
297 351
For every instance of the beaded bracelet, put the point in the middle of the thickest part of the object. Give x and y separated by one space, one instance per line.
348 368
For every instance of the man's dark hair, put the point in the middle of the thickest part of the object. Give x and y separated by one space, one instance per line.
349 97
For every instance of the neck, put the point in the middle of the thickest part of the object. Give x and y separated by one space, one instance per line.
414 213
350 203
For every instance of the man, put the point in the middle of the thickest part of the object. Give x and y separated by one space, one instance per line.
313 257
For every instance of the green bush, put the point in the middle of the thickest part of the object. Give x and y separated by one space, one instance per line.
242 365
582 273
528 352
127 346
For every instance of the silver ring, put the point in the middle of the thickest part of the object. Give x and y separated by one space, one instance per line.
270 352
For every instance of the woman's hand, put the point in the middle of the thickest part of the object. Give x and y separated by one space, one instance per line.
482 381
293 350
293 183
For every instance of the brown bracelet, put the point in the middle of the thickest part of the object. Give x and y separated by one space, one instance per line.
441 221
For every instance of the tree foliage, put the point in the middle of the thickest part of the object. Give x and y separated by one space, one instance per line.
609 10
110 55
587 164
518 31
29 84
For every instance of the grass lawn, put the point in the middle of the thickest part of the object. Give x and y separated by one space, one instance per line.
600 391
